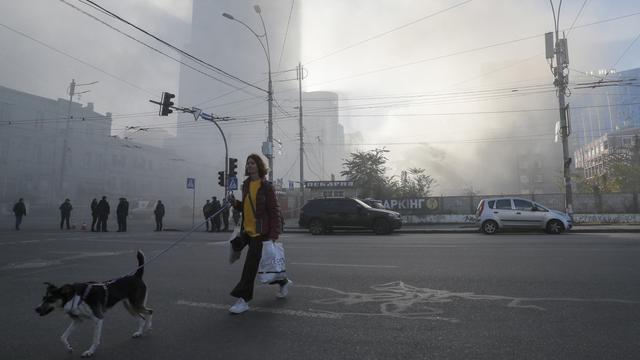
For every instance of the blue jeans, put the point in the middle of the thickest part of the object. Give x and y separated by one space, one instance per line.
18 221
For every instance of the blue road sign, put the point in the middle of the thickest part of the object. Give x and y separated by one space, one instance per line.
233 183
191 183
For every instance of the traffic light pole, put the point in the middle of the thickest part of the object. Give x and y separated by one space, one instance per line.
226 151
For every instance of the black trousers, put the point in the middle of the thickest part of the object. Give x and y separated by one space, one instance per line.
94 220
102 223
158 223
244 288
122 222
64 218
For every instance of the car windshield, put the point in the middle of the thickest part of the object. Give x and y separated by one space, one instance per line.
362 203
541 207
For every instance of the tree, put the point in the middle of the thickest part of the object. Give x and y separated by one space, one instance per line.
414 183
367 171
626 175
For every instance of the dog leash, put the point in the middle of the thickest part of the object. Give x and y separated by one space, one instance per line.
225 205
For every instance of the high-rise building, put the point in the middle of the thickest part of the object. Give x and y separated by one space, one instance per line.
231 47
599 110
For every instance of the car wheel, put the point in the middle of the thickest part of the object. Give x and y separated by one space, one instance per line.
381 227
316 227
489 227
555 227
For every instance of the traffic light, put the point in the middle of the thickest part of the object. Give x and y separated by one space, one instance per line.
233 166
221 178
166 103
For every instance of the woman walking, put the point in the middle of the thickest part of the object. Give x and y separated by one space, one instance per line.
260 222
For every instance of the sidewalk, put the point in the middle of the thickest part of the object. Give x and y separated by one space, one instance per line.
470 228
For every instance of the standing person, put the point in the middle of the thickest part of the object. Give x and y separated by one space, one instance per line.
103 210
216 217
225 218
94 213
19 210
65 213
212 210
235 214
205 211
260 222
122 211
159 213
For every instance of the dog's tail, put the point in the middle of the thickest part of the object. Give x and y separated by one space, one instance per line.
140 270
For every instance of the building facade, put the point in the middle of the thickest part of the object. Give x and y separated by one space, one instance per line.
597 157
35 132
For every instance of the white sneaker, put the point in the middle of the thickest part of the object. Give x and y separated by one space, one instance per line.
239 307
284 290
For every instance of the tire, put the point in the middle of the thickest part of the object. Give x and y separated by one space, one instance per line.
489 227
555 227
381 227
316 227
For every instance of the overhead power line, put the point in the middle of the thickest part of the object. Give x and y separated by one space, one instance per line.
194 58
388 32
461 52
50 47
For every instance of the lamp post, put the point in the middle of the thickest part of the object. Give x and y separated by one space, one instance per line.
268 151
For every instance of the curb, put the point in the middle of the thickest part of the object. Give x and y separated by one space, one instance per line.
476 231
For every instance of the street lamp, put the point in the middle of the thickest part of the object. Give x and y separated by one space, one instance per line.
268 151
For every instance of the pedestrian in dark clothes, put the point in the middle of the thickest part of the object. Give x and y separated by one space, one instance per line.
103 211
216 217
225 218
236 216
212 210
206 211
159 213
19 210
122 211
65 213
94 213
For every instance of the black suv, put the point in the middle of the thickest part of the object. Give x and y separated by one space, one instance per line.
322 215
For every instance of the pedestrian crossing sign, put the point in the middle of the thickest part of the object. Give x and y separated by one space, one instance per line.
233 183
191 183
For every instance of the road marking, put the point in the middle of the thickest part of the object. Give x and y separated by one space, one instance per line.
399 300
217 243
300 313
347 265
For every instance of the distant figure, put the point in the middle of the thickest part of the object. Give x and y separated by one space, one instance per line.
159 213
235 214
225 218
65 213
206 211
212 210
94 213
122 211
216 217
103 210
19 210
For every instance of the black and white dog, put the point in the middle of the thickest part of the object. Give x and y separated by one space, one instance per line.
91 300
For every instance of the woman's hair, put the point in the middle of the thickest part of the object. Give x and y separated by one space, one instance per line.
262 167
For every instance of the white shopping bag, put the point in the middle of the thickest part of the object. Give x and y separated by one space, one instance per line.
272 266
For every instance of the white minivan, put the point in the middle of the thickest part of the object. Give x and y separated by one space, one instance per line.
494 214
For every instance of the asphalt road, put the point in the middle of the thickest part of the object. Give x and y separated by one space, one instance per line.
355 296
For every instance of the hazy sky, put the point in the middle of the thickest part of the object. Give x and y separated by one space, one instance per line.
399 61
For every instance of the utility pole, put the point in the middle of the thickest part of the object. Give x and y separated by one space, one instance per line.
561 52
65 145
299 73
